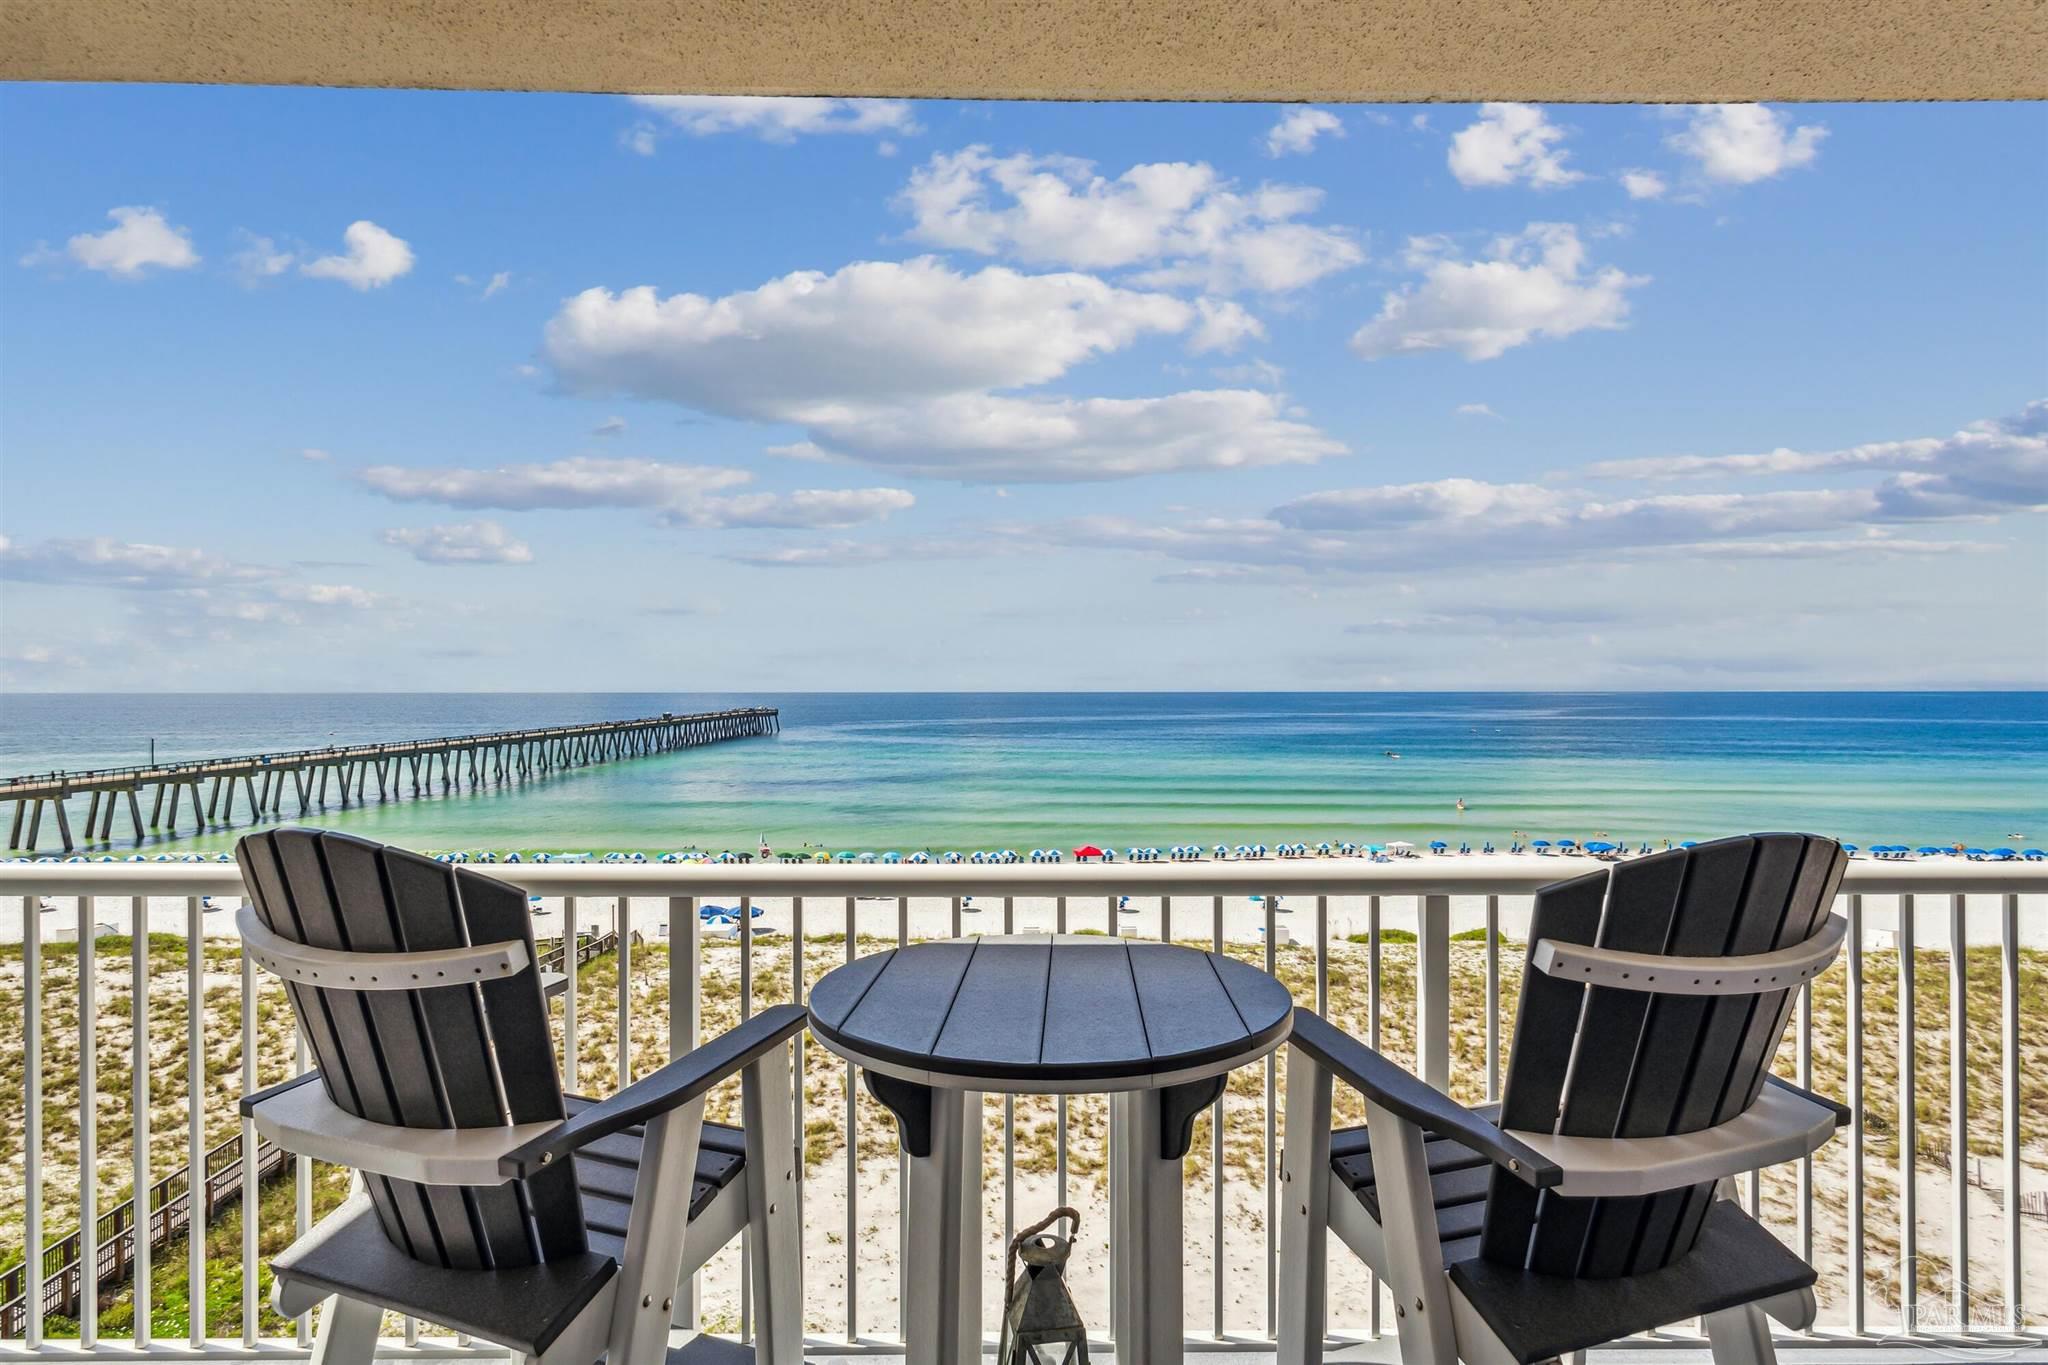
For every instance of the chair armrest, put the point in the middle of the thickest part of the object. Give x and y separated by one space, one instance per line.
1410 1098
676 1084
256 1097
1841 1111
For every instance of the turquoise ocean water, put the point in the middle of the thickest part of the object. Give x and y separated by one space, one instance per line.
968 771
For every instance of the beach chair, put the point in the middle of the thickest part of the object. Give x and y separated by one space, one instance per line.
488 1201
1596 1200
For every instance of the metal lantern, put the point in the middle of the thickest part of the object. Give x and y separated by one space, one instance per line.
1040 1326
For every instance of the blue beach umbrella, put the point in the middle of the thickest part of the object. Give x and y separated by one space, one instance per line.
2033 855
2004 853
1926 849
1438 844
950 858
1539 843
1973 853
1689 843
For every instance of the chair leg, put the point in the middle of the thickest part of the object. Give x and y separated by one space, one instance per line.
347 1332
1741 1336
1304 1212
775 1243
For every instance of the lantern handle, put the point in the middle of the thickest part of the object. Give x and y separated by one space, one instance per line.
1017 1243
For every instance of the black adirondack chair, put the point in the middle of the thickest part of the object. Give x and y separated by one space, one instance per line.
490 1203
1595 1201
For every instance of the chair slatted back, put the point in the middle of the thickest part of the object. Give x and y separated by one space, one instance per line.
469 1055
1600 1061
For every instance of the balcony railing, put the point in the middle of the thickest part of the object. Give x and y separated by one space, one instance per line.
1924 1216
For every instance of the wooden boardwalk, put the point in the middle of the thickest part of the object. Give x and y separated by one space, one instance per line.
282 785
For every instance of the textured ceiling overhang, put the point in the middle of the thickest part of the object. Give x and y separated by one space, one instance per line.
1634 50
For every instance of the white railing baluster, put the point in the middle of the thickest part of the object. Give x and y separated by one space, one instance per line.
140 1223
302 1203
622 934
1272 1157
196 1210
32 1112
685 1025
88 1126
1433 990
251 1212
2009 1076
798 994
1803 1075
1909 1256
1322 954
1492 999
1009 1119
570 944
1217 1172
852 1171
746 1013
1958 1110
1853 1013
1372 1014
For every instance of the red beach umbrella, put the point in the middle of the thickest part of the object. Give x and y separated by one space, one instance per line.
1087 851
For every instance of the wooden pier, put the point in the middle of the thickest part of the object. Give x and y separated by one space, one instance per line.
283 785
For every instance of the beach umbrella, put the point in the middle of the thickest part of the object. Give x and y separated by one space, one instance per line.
950 858
1689 843
1566 843
1923 850
920 857
2033 855
1438 844
1973 853
1539 843
845 856
892 856
2004 853
1087 851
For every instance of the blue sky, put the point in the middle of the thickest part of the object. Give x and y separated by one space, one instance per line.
308 389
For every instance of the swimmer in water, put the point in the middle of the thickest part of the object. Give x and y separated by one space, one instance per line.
1461 805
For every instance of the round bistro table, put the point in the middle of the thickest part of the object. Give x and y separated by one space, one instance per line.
1157 1027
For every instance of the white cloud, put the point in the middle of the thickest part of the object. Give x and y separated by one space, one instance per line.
1224 326
315 454
497 284
122 564
989 438
677 494
1988 468
877 332
1643 184
1739 144
1476 410
770 118
1510 143
900 366
373 259
464 542
1533 285
140 240
1296 132
641 139
610 426
259 258
1187 225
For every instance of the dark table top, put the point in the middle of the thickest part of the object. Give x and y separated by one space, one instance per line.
1033 1012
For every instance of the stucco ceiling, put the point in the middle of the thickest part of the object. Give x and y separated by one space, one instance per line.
1637 50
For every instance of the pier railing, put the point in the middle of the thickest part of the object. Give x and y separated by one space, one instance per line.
1922 1215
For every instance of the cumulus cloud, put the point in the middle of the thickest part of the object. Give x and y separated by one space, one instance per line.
772 118
873 332
1989 467
1511 143
677 494
109 562
141 240
1182 222
372 259
1643 184
463 542
1532 285
903 366
1296 132
991 438
1740 144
